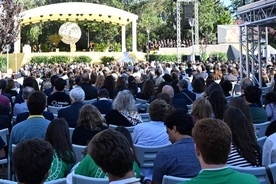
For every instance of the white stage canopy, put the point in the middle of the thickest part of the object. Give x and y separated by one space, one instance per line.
79 11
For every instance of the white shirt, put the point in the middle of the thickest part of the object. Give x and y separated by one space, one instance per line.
269 150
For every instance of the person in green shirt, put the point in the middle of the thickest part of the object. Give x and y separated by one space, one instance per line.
63 158
213 140
88 167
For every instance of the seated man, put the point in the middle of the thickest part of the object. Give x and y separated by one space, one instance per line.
22 107
184 93
179 159
36 125
71 113
213 144
177 103
32 160
252 95
112 153
59 98
103 104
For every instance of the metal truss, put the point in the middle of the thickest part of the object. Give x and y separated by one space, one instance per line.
254 16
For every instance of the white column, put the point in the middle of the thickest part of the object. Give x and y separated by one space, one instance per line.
134 36
123 38
18 41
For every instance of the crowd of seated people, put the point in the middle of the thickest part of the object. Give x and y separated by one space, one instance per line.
191 91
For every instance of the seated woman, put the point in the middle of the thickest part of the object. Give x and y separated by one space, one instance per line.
124 112
90 122
57 135
147 90
88 167
201 108
245 150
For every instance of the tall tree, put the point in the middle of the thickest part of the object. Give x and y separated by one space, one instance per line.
9 22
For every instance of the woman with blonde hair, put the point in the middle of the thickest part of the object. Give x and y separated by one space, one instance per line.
201 108
123 111
90 122
99 82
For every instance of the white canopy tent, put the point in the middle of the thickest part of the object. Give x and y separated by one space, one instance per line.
73 11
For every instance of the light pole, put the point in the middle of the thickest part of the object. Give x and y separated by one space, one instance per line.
192 24
148 46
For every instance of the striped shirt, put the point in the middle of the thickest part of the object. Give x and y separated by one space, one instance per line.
235 159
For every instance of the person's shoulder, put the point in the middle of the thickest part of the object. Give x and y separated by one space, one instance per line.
244 177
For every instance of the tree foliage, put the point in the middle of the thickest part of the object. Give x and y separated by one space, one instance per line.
9 22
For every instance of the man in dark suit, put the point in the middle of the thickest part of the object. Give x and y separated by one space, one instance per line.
184 93
71 113
89 90
103 103
177 103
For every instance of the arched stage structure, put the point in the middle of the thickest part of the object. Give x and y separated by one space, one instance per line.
79 11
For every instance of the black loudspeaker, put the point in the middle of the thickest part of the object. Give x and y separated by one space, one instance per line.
197 58
188 11
184 58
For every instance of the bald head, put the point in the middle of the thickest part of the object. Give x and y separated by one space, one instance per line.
245 83
169 90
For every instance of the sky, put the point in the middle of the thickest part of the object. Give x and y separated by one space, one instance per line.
226 2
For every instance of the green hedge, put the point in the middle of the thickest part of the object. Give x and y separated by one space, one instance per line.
59 59
82 59
105 60
163 58
3 63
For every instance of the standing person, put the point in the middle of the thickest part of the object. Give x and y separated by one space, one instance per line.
36 125
213 144
58 136
32 160
90 123
179 159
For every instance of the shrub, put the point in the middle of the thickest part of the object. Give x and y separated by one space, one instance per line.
39 59
3 63
59 59
163 58
222 56
100 47
82 59
105 60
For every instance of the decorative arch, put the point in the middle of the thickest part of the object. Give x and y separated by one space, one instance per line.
74 11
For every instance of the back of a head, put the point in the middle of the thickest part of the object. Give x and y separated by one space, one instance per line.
124 101
85 77
158 110
166 97
53 79
198 85
77 94
245 83
60 83
58 136
10 83
32 160
169 90
90 117
241 103
3 84
183 122
26 92
183 83
218 102
103 93
213 139
111 151
201 108
213 87
252 94
36 102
